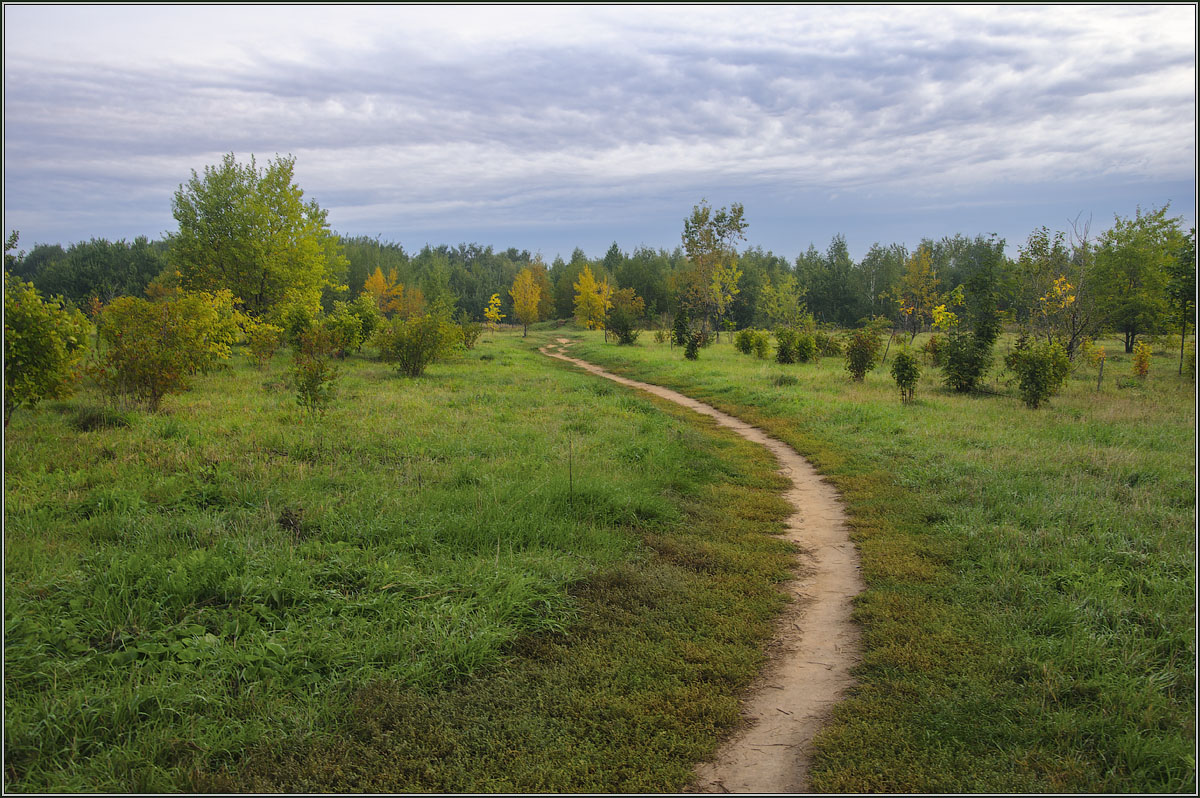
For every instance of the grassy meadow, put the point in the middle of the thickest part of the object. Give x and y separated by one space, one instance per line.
1029 622
502 576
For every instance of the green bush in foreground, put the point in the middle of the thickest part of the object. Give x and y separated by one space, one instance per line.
44 344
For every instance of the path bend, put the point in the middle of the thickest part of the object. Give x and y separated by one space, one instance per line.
815 642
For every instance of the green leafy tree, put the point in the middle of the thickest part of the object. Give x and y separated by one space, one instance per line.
251 231
709 239
625 315
44 345
1181 289
1132 266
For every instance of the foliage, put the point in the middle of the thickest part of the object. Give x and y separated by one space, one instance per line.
918 291
492 313
935 350
692 347
1189 360
743 341
1181 288
592 300
295 319
709 239
781 302
1132 264
344 329
785 345
862 353
966 360
1041 370
44 344
470 330
527 298
151 349
625 315
827 345
312 376
761 345
263 341
386 293
906 371
806 347
363 306
249 230
1141 359
411 345
681 329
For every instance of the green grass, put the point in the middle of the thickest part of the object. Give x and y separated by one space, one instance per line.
1029 623
502 576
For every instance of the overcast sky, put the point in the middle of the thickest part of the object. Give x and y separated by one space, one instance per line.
547 127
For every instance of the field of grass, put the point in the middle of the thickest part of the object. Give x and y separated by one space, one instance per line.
502 576
1029 623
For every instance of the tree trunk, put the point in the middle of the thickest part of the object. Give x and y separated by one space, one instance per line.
1129 336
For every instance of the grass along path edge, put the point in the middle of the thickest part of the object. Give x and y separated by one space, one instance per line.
816 642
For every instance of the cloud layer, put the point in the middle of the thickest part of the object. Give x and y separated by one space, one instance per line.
428 123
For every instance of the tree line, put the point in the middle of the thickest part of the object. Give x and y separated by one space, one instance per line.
253 259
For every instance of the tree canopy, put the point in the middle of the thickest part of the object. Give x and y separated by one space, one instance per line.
251 231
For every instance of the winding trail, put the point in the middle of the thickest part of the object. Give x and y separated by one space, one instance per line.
815 642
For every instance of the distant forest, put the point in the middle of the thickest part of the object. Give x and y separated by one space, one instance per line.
829 284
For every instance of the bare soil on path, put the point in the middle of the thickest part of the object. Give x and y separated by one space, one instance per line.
815 644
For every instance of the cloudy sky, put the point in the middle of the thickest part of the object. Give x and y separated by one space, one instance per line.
548 128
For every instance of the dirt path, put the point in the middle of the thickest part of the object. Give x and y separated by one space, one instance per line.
815 643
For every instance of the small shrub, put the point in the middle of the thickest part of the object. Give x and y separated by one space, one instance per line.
744 341
344 329
411 345
1041 369
44 346
692 346
786 344
263 341
827 345
296 319
806 348
312 375
1141 359
152 348
935 350
681 330
784 380
965 361
761 345
862 353
906 372
660 336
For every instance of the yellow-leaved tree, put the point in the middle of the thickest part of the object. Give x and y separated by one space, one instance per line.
592 300
386 291
527 295
492 313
